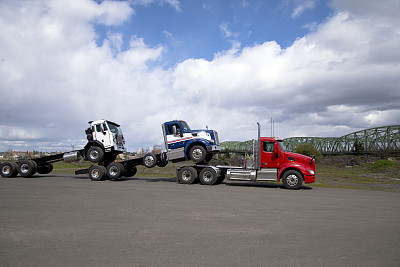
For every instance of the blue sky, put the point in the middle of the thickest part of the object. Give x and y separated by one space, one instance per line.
199 29
318 68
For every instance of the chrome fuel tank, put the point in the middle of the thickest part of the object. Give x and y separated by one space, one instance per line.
243 175
72 156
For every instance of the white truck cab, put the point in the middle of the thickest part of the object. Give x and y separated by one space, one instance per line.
105 141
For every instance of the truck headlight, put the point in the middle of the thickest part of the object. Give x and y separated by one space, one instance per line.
311 172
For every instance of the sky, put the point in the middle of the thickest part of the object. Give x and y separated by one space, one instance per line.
317 68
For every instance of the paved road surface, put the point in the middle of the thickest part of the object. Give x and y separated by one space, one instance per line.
66 220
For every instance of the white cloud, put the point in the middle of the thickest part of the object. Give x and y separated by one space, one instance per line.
227 33
54 78
173 3
302 6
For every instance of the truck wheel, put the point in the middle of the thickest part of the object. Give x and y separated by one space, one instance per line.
197 154
97 173
162 163
45 169
149 160
115 170
27 168
292 180
187 175
9 169
208 176
95 154
130 172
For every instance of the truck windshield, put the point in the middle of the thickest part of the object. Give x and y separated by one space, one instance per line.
282 145
185 126
114 128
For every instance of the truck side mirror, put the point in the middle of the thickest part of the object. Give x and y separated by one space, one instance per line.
173 129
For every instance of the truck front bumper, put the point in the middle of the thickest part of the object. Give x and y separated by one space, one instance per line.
214 148
308 179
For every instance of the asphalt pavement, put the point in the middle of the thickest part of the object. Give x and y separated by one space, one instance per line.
68 220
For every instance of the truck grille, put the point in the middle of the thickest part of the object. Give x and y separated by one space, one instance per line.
216 138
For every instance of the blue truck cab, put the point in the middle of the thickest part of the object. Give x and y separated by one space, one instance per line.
183 143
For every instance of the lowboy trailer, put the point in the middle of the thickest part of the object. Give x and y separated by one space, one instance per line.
105 143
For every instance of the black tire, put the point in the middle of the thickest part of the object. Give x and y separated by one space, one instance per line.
9 169
292 180
208 176
187 175
131 171
115 170
197 154
27 168
95 154
45 169
162 163
97 173
149 160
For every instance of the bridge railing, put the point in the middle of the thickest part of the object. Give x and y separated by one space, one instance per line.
384 139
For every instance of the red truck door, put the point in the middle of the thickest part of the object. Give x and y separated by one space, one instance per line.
270 156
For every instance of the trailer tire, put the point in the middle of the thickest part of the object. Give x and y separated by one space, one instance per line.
9 169
97 173
95 154
149 160
197 154
187 175
45 169
115 170
208 176
131 171
27 168
292 180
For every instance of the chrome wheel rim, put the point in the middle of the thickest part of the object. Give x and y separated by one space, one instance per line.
149 160
197 153
95 173
292 180
6 170
94 154
24 168
186 175
207 176
113 171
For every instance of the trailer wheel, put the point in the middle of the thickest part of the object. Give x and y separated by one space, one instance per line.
115 170
95 154
97 173
292 180
131 171
9 169
149 160
27 168
45 169
187 175
197 154
208 176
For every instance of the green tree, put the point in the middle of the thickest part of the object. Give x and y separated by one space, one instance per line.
308 150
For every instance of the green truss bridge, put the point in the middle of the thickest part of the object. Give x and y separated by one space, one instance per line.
377 140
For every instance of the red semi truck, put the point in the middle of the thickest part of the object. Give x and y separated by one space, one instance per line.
270 162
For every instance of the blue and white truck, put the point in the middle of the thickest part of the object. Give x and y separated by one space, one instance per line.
183 143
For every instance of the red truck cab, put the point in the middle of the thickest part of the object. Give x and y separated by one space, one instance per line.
273 155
